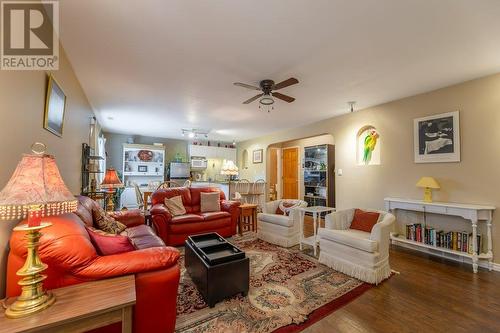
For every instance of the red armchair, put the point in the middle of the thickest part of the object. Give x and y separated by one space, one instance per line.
66 248
175 230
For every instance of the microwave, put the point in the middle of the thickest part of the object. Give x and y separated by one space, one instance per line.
198 163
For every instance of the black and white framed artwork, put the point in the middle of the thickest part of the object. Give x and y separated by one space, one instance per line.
437 138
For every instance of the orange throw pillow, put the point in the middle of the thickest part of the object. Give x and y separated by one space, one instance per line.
363 220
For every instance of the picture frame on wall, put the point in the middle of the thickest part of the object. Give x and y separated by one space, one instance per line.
257 156
437 138
55 105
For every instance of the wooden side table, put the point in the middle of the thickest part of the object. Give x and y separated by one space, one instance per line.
80 308
248 218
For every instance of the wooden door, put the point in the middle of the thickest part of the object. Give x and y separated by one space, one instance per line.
290 173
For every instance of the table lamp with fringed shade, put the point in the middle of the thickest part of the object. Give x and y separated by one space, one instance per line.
229 169
428 183
111 182
35 191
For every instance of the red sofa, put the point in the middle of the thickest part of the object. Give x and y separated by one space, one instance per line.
66 248
175 230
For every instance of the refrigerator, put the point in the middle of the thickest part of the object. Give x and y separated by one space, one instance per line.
179 171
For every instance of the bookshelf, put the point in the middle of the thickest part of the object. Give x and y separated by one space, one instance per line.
470 212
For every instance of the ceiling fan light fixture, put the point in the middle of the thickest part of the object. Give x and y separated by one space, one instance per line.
266 99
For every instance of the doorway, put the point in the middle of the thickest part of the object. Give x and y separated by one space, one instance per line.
290 165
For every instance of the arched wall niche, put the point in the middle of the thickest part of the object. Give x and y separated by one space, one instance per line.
244 159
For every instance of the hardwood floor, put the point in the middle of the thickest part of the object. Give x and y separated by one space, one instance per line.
429 295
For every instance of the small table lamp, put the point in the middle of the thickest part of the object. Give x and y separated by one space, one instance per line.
111 182
35 190
229 169
428 183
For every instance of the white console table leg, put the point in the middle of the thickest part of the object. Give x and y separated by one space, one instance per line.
315 218
474 245
302 216
490 246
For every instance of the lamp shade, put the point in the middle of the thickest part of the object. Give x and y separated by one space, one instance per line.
36 181
428 182
111 179
229 168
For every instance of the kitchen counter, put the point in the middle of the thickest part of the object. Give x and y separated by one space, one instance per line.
223 186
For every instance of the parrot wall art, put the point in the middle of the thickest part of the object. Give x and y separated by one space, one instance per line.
369 146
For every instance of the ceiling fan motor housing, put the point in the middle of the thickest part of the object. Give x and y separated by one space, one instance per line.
267 86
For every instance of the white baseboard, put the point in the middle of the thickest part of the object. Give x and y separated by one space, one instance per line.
481 263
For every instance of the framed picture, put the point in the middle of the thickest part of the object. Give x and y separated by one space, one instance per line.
437 138
55 105
257 156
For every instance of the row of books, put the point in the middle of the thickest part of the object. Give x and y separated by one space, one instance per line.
453 240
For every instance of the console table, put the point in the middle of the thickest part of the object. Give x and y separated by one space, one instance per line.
81 307
316 212
470 212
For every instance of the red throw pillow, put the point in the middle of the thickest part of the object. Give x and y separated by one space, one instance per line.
363 220
107 244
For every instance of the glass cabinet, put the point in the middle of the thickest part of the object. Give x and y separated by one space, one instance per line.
318 169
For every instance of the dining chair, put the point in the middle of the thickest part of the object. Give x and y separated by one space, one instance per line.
167 184
242 187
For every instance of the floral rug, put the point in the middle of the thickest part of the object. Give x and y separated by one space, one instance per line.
289 290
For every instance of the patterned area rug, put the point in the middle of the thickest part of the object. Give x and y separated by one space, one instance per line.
289 290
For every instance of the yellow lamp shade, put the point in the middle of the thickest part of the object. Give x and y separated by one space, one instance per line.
428 183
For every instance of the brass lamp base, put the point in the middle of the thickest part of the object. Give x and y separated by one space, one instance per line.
33 298
428 194
110 204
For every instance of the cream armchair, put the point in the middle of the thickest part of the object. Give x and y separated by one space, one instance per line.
359 254
282 230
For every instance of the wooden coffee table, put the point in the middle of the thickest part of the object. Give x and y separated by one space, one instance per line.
80 308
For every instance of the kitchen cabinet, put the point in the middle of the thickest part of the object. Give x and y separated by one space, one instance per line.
211 152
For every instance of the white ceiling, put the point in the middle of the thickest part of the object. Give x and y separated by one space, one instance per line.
154 67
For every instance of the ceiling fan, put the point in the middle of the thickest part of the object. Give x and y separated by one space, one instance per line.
268 88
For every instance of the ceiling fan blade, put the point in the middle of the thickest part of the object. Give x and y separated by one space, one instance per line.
244 85
252 99
285 83
283 97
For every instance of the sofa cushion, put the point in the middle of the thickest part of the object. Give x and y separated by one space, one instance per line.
209 202
158 196
209 216
85 215
187 218
199 228
283 220
107 223
350 237
363 220
175 205
108 244
143 237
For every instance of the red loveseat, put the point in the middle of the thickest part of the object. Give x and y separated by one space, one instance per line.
68 251
175 230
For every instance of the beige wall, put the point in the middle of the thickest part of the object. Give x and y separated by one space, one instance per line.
301 144
474 180
22 96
